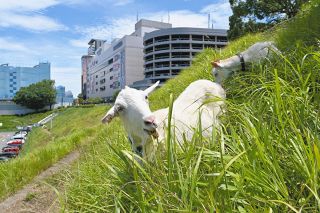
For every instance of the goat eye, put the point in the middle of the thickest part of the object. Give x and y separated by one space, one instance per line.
146 97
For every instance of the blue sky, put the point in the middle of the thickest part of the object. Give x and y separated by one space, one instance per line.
58 30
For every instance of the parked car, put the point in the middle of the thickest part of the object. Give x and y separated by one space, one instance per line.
22 132
17 141
25 128
15 145
19 136
11 149
8 154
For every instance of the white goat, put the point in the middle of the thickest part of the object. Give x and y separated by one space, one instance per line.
141 124
222 69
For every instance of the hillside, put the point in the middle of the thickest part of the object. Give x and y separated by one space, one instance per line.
10 122
72 129
264 158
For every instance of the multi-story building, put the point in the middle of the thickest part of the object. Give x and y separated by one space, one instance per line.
118 63
85 60
63 98
168 51
13 78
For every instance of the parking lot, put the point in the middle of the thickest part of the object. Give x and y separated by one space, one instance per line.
4 137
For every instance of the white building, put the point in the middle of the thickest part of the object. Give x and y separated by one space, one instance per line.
118 63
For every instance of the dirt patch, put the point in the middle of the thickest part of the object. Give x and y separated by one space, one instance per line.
39 196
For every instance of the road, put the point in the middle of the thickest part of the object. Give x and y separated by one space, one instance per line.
4 137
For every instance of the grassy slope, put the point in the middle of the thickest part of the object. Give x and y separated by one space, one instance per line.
9 122
72 129
265 156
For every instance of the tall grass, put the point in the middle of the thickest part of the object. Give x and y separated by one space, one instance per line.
263 158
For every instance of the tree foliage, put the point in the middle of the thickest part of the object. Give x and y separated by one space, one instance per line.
258 15
36 96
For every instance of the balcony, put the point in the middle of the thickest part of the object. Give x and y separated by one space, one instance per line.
148 59
180 55
161 47
180 46
148 50
222 39
148 42
180 37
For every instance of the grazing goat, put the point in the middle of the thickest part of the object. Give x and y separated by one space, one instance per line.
141 124
222 69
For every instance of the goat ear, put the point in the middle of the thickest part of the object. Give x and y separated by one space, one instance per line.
151 88
110 115
215 64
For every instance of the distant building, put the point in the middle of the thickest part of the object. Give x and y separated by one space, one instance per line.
63 98
118 63
13 78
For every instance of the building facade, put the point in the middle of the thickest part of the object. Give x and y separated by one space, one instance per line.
118 63
85 60
168 51
63 97
13 78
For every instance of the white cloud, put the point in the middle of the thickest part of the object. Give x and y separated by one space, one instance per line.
31 22
26 5
23 14
9 45
122 2
116 28
219 13
83 43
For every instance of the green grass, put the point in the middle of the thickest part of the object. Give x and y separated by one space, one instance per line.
264 158
73 128
10 122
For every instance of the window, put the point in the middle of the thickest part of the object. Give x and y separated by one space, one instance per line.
96 76
111 77
96 83
110 61
111 69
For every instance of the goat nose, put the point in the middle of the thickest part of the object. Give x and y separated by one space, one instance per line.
149 119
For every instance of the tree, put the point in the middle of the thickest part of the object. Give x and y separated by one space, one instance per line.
80 98
36 96
258 15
